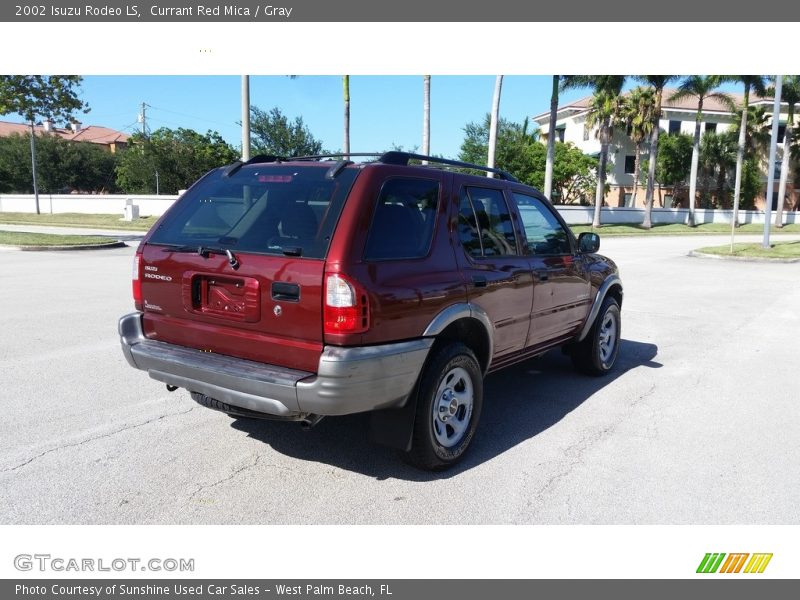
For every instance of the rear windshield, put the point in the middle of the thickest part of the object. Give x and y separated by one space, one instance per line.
260 209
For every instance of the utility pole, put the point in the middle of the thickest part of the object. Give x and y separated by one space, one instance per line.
773 144
143 119
245 118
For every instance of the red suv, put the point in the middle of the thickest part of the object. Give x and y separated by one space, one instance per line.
300 288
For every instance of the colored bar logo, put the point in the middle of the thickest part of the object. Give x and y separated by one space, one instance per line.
713 562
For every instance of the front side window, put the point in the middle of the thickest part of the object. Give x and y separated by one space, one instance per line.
485 226
545 233
402 226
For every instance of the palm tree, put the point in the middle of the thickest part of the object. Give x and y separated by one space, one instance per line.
657 83
604 112
495 118
346 90
551 141
790 94
426 115
560 83
701 87
637 114
751 83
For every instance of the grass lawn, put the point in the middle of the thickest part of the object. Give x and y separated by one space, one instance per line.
77 220
680 229
21 238
778 250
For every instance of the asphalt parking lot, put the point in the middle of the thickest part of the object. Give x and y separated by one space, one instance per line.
699 424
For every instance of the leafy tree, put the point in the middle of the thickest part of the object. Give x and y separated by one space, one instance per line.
752 183
638 108
574 175
64 166
657 83
560 83
273 133
516 150
40 97
674 160
702 88
520 153
718 159
178 156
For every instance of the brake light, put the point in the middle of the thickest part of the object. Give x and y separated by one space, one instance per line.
137 278
346 307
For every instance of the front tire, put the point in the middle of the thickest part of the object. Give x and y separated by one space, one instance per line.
597 353
449 403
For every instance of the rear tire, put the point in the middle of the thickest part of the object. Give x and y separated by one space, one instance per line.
449 403
597 353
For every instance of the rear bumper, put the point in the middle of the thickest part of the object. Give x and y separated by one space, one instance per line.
348 380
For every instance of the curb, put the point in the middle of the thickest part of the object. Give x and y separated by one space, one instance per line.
106 246
697 254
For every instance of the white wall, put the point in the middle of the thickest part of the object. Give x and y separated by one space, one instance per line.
582 215
86 204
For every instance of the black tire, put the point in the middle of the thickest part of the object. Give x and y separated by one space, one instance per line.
232 411
446 417
597 353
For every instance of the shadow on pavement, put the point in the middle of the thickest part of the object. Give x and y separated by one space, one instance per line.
519 403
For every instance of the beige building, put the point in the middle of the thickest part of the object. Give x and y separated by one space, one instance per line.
676 116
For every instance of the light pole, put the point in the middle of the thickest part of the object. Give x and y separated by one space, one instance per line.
773 144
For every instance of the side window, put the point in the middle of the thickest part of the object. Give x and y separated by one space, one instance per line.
402 226
545 233
485 225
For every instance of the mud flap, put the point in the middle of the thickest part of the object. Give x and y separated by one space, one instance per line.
393 427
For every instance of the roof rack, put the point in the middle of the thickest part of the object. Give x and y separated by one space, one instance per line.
403 158
393 157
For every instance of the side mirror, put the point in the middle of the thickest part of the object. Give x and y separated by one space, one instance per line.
588 242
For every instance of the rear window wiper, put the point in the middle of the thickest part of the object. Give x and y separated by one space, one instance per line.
206 251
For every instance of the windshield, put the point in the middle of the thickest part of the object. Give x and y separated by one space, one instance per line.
263 209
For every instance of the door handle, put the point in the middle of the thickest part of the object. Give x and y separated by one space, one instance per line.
479 281
542 275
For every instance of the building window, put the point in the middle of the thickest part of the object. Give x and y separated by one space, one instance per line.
667 200
630 164
781 132
711 127
585 134
674 127
629 200
560 133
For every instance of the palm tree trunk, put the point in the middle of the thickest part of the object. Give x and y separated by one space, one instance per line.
695 162
787 143
551 139
426 116
346 89
33 168
601 173
498 86
647 223
737 188
636 173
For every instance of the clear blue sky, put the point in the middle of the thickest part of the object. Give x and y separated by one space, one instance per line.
385 110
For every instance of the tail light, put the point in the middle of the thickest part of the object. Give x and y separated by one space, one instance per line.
137 278
346 307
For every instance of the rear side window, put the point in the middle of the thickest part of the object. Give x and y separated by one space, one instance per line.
485 227
260 209
405 214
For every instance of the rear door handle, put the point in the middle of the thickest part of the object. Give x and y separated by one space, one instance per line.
542 275
287 292
479 281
